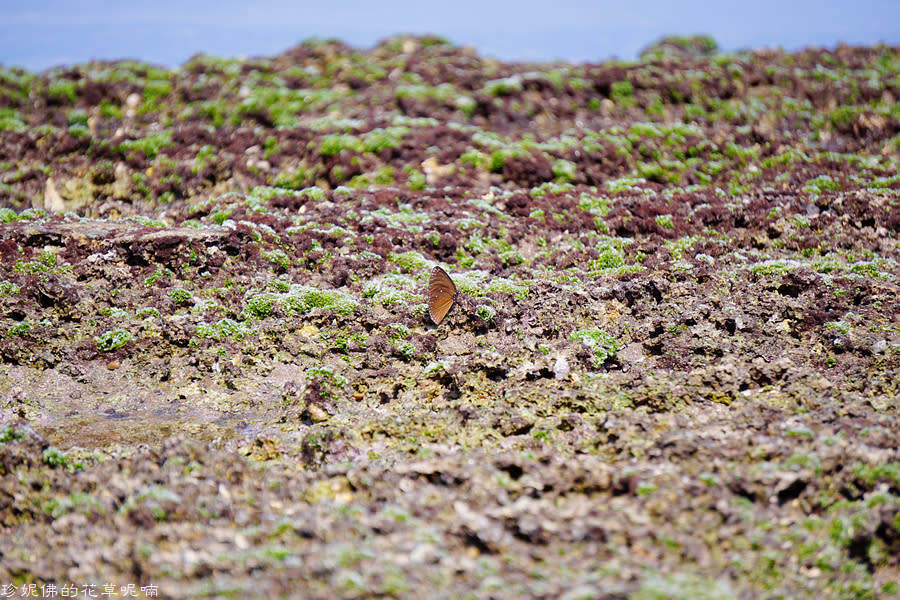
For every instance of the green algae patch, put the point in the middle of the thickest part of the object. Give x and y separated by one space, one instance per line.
682 586
113 340
486 313
180 295
393 289
602 345
410 262
222 329
19 329
436 367
298 300
10 433
479 283
772 268
331 384
301 299
150 145
52 457
819 184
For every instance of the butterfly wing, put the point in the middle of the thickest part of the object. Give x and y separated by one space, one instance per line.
441 295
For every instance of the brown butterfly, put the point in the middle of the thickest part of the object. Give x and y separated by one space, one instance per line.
441 295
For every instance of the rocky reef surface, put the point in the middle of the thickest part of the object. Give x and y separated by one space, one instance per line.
673 370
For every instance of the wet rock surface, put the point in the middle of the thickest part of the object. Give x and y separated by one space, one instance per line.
672 371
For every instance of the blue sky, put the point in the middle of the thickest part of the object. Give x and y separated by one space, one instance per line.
38 35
